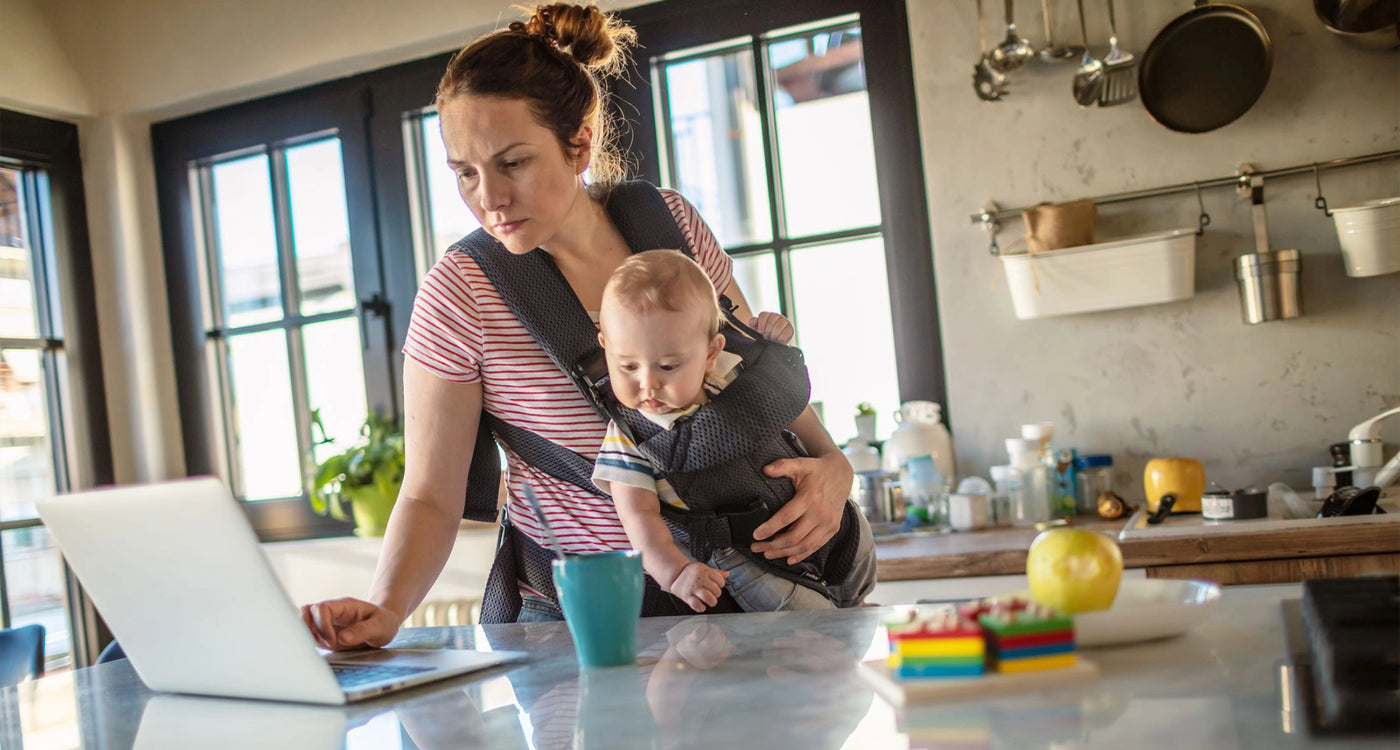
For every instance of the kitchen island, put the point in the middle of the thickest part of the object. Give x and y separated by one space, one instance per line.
774 680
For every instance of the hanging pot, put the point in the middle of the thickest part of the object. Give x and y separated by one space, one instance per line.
1206 68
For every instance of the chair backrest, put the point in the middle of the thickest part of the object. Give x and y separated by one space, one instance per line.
112 652
21 653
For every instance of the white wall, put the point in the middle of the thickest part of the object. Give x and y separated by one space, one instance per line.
38 74
1255 403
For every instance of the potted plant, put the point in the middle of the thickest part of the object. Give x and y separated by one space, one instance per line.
367 475
865 422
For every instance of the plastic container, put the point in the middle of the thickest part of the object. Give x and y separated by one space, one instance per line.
1061 483
1093 477
1145 269
1030 500
1007 483
923 492
1369 234
919 432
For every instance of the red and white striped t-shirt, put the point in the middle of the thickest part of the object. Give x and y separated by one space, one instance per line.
462 331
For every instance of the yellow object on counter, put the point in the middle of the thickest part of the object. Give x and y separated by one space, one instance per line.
940 647
1055 661
1183 477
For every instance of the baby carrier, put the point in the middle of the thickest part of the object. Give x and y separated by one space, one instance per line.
713 457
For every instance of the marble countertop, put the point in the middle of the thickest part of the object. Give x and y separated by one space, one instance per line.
773 680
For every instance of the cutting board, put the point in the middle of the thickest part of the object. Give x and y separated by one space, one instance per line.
900 692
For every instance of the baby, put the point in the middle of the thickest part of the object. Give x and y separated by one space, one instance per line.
659 327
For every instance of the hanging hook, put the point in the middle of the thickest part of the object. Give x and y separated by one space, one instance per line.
1321 202
1204 218
991 226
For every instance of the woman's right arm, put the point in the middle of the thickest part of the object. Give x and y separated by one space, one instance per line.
440 423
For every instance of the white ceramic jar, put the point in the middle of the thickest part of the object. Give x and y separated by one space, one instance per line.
919 432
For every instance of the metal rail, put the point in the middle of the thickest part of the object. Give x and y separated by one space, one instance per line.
989 217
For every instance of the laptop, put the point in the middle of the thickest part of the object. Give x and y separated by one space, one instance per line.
176 571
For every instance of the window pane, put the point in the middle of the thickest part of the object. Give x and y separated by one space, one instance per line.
757 277
320 227
716 144
450 217
825 148
264 428
843 320
335 379
34 582
18 317
26 453
247 268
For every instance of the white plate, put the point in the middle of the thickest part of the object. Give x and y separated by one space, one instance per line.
1148 609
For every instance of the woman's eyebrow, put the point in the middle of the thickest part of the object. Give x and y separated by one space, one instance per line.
454 163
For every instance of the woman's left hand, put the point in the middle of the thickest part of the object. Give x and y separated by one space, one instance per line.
813 516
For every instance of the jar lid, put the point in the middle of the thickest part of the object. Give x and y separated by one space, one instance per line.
1038 431
1093 461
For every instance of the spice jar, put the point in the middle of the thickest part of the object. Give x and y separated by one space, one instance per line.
1093 477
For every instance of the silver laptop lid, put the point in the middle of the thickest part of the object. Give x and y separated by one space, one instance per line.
176 571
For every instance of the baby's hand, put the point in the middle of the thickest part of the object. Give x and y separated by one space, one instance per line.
773 326
699 585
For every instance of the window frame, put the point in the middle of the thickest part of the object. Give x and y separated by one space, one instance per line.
183 148
68 336
674 25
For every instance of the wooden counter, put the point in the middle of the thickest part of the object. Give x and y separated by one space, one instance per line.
1263 556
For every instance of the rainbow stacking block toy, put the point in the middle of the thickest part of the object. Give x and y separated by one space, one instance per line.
935 644
1026 636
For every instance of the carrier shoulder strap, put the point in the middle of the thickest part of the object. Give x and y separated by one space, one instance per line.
537 293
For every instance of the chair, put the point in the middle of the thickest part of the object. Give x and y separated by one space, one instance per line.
21 654
112 652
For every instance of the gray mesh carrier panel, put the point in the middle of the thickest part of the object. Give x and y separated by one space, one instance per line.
715 457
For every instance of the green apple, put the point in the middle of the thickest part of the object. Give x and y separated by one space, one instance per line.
1073 570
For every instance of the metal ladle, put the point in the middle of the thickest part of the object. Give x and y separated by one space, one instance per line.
989 84
1052 53
1088 80
1013 52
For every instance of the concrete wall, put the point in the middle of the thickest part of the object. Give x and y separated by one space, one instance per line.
1255 403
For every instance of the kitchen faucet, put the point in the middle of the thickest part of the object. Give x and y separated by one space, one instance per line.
1366 456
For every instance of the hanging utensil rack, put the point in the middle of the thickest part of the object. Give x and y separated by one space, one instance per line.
991 217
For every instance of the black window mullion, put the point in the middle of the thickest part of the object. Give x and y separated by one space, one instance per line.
32 183
4 587
665 163
291 302
216 343
769 135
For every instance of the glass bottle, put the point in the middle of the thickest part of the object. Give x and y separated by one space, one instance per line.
1030 502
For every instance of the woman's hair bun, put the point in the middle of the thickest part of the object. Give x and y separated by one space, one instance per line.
597 40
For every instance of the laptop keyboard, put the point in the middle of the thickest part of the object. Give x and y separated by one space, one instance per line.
354 675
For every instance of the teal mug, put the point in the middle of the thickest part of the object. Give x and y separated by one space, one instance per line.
601 595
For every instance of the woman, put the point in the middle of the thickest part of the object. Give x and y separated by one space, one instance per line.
522 118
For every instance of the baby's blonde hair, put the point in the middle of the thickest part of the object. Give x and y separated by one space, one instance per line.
664 280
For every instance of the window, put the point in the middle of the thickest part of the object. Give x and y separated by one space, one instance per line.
53 427
280 313
440 218
764 117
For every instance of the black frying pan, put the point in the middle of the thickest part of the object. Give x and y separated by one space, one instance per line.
1206 68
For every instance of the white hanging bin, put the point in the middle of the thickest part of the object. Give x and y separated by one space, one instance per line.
1145 269
1369 234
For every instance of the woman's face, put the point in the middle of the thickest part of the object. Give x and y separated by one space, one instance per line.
511 171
